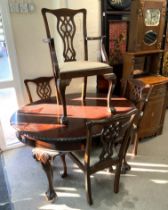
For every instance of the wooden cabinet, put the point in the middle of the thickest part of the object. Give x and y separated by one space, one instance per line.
153 119
147 70
147 24
141 63
115 27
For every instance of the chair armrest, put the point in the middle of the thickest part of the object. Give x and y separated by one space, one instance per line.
104 56
145 99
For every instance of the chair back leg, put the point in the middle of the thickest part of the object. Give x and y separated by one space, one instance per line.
83 96
61 85
88 187
117 177
64 166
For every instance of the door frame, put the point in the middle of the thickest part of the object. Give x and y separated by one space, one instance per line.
16 81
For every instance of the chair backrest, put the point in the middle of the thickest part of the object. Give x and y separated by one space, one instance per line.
66 26
134 90
115 136
42 86
139 93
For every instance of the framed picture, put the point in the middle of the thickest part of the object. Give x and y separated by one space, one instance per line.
118 35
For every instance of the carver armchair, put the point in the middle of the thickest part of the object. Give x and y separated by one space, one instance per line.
63 26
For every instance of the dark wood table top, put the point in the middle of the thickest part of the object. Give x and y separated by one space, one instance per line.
37 123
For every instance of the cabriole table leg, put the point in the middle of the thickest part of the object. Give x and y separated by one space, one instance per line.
45 159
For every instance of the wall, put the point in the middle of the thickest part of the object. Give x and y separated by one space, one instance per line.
33 54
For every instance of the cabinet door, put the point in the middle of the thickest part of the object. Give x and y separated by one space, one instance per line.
152 122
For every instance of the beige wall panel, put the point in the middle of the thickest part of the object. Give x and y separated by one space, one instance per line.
33 55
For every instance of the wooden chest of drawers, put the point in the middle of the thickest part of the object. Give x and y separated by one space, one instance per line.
154 114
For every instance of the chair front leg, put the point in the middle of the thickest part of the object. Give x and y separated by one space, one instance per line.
64 165
125 166
84 89
111 78
62 84
135 144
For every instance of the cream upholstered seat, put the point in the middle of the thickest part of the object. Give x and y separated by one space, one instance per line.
81 65
65 30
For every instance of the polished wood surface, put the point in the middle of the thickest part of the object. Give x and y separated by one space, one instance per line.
38 125
153 79
41 120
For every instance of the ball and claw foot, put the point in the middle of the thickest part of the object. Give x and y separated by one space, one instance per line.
64 120
51 195
64 175
111 170
113 110
125 167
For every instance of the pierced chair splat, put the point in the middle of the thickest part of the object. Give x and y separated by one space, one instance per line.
42 86
72 66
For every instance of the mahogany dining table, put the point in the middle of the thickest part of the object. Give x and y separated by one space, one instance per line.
38 125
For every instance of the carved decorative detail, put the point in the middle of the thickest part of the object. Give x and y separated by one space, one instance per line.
42 156
43 87
165 64
66 28
135 91
43 90
45 160
111 137
45 156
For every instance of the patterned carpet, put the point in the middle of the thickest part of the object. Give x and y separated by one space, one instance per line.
5 203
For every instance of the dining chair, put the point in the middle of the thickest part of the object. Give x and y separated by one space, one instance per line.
114 138
139 93
44 91
67 26
42 85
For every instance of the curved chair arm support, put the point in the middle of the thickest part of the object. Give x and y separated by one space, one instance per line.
103 52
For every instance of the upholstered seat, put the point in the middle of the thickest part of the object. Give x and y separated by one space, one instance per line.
79 66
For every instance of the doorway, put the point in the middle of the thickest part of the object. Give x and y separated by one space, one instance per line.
10 90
